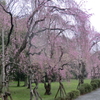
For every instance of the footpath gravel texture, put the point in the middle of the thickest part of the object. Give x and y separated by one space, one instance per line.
94 95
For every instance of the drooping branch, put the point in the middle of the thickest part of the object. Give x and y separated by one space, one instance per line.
30 21
31 25
94 43
12 25
23 46
10 64
36 22
70 27
61 53
36 53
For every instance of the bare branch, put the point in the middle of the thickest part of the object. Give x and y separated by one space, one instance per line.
12 25
39 53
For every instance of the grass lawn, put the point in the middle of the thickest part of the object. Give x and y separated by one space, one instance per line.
22 93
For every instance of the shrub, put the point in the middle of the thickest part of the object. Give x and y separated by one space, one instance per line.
67 96
96 81
94 86
74 94
71 95
81 89
85 88
60 98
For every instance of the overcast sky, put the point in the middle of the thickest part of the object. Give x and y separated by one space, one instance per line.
93 7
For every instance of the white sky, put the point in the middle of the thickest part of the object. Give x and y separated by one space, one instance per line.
93 7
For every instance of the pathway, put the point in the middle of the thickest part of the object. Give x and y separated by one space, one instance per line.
94 95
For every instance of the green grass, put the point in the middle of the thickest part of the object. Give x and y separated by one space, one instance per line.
22 93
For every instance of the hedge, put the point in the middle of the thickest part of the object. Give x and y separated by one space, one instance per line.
74 94
96 81
82 89
70 96
85 88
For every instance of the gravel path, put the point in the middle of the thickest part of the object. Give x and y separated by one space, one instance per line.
94 95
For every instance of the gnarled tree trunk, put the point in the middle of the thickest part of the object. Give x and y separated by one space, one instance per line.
61 89
47 88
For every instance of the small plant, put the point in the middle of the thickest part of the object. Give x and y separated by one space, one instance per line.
70 96
60 98
96 81
85 88
74 94
67 96
94 86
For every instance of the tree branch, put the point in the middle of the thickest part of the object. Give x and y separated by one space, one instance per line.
36 53
12 25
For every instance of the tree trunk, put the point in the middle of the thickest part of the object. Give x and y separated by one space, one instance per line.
81 80
61 89
6 95
25 82
35 92
47 88
28 85
18 82
0 83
